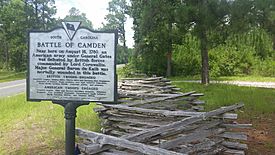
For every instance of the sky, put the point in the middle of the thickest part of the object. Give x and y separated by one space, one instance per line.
95 11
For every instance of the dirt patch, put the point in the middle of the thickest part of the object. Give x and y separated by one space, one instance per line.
261 138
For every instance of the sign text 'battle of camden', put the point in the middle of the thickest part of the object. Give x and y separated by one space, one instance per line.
72 63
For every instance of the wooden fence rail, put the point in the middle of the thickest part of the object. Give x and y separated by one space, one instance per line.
152 117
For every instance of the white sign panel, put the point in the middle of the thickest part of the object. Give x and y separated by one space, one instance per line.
72 64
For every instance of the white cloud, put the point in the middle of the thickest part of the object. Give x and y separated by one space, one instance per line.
95 11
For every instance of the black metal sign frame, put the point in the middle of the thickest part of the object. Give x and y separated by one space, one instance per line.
70 106
115 75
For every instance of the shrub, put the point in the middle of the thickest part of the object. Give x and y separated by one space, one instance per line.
231 60
126 71
265 68
186 58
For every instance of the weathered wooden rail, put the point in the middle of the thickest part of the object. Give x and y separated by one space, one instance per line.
154 118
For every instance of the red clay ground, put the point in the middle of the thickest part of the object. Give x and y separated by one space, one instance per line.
261 138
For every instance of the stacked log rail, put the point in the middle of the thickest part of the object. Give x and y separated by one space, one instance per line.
154 118
158 93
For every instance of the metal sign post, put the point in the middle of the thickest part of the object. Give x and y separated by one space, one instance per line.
72 66
70 115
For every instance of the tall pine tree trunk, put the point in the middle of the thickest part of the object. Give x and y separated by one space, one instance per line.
203 41
43 16
6 49
36 15
124 45
169 52
204 57
169 62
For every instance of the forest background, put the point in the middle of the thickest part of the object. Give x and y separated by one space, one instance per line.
210 38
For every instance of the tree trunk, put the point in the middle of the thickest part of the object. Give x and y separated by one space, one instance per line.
124 45
204 57
7 55
36 15
43 16
169 62
169 52
273 40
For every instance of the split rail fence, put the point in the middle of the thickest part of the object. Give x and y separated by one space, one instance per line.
153 118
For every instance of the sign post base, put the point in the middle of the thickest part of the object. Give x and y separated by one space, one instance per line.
70 115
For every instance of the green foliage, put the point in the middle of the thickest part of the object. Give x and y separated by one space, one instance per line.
40 14
76 15
13 35
241 54
256 38
265 68
116 18
247 53
154 23
228 61
122 55
186 57
18 57
151 63
126 71
236 33
17 17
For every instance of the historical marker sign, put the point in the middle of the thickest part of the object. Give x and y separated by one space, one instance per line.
72 64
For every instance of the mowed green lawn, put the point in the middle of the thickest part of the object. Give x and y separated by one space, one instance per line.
227 78
37 127
6 76
258 101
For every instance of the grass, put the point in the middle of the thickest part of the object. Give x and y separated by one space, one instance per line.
258 101
6 76
227 78
247 78
37 127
